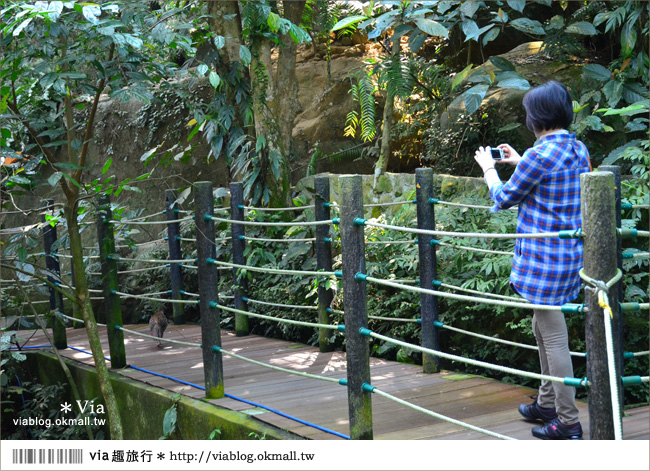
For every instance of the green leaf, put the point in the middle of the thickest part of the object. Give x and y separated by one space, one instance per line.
432 28
169 421
91 12
628 39
215 80
346 22
202 69
597 72
469 8
107 165
491 35
636 108
474 97
219 42
501 63
582 27
67 165
71 180
509 127
460 76
245 55
613 92
73 75
54 178
22 26
19 179
515 83
528 26
517 5
274 21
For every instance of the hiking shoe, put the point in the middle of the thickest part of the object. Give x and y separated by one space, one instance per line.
556 430
536 412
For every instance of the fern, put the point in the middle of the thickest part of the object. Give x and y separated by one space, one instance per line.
367 104
397 78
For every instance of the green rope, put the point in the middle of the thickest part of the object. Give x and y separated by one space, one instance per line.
271 270
287 306
132 221
498 296
259 239
177 342
469 361
395 319
498 340
471 249
599 284
461 297
274 224
147 260
462 205
540 235
277 319
294 208
389 242
60 314
440 416
392 203
148 298
136 270
276 368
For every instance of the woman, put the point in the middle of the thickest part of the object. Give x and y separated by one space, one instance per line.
546 186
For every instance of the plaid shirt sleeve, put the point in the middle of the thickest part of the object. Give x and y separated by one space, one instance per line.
527 176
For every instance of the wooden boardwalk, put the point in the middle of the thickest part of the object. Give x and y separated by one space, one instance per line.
479 401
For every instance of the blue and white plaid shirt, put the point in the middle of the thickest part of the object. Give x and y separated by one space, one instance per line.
546 186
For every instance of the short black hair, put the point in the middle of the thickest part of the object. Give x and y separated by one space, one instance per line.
548 106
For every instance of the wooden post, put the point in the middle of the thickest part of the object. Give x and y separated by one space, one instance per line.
616 291
599 234
175 271
110 285
238 232
208 278
354 300
54 277
427 253
323 257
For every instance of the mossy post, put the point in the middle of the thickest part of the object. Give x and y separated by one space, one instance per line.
616 291
175 271
323 257
110 285
599 235
208 278
238 232
354 300
427 253
54 277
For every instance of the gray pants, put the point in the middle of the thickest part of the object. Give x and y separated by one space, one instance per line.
550 331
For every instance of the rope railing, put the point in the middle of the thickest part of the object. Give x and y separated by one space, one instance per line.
496 339
379 392
504 369
465 205
272 224
275 271
148 260
161 339
564 308
132 221
149 298
292 208
284 306
278 319
633 255
470 249
277 368
135 270
487 235
260 239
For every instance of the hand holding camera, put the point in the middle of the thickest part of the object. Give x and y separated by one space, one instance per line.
487 157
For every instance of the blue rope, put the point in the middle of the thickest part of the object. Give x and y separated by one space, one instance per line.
275 411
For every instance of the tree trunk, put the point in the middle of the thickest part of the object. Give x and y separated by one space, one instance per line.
83 299
229 29
384 153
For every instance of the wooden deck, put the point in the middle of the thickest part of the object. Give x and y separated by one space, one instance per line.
479 401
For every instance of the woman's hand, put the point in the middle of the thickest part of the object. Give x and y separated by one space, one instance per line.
511 155
483 157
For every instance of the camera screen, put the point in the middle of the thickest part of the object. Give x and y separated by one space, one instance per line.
497 154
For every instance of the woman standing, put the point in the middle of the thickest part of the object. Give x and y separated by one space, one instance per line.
546 186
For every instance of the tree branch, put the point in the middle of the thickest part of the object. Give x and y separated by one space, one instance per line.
91 120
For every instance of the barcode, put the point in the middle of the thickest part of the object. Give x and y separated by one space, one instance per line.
48 456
